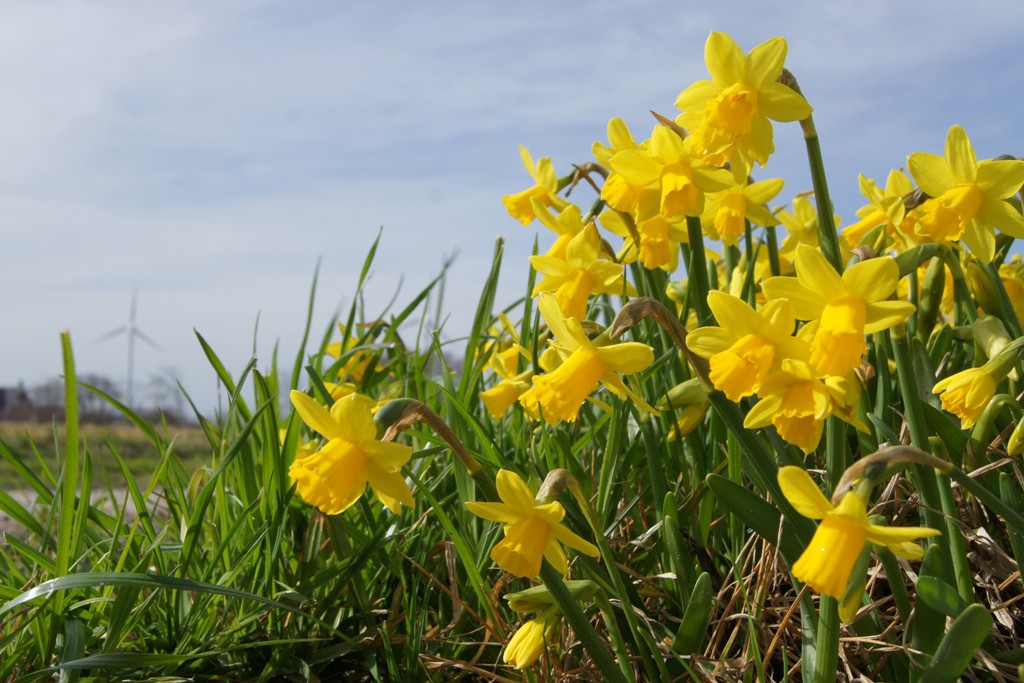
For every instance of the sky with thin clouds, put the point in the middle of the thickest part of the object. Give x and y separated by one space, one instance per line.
209 155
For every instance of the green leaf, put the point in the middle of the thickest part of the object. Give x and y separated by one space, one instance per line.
758 514
958 647
940 596
694 627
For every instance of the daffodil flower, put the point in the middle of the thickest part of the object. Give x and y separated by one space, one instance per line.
533 530
802 228
846 307
561 392
796 402
519 205
358 361
885 206
730 113
747 345
726 213
666 165
967 393
531 639
566 225
650 238
581 273
967 196
828 560
334 477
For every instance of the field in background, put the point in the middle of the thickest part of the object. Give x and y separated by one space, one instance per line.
190 447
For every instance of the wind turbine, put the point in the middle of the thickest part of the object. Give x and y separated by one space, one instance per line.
132 331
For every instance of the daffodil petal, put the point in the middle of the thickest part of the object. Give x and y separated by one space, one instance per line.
354 418
1000 214
960 154
724 58
981 240
707 341
931 172
493 512
554 554
781 103
815 272
391 484
802 493
734 314
626 357
549 265
890 536
807 304
763 190
386 455
764 63
881 315
874 279
514 492
636 167
315 415
694 97
1001 178
574 541
762 413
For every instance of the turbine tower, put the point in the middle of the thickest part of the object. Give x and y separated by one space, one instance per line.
133 332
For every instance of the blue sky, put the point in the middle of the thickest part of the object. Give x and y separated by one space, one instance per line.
208 154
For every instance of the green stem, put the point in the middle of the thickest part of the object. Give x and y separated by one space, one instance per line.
826 661
772 238
616 633
597 648
828 237
835 450
697 270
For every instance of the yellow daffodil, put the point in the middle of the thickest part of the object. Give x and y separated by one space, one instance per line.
748 344
726 212
334 477
665 165
616 191
585 364
967 393
650 237
532 530
529 641
566 225
828 560
504 362
1012 276
619 138
796 402
690 402
730 113
885 207
846 307
581 273
358 359
519 205
802 228
967 196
